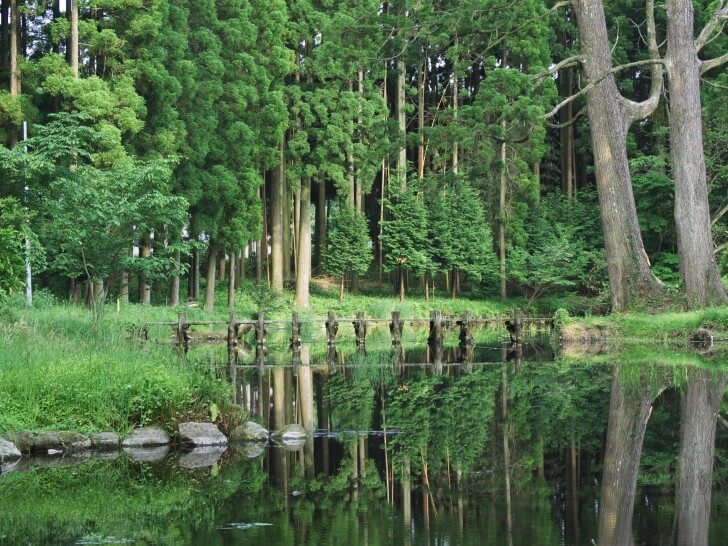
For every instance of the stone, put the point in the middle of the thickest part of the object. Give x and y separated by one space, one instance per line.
201 457
201 434
248 432
59 440
293 444
105 441
290 432
146 436
147 454
252 449
7 468
8 451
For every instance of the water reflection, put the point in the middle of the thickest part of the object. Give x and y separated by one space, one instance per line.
418 445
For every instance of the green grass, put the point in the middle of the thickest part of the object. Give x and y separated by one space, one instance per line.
57 372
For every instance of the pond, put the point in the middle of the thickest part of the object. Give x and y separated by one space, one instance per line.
414 445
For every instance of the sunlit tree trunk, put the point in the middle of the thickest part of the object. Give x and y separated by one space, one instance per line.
211 270
73 44
145 289
303 278
610 116
698 268
402 124
174 284
231 280
502 221
276 205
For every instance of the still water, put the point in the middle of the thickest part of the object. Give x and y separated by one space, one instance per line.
495 445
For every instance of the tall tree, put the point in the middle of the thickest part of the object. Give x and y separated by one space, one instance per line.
698 268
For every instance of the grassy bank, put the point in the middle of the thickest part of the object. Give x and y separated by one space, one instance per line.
672 326
57 372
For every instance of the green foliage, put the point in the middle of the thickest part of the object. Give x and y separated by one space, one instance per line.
12 263
348 244
404 233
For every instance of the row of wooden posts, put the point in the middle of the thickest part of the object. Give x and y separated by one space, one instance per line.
438 323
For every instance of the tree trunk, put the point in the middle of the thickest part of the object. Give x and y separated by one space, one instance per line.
221 267
231 283
145 289
610 116
73 45
174 285
303 277
276 205
286 232
240 268
455 107
401 284
210 285
124 289
700 406
629 410
502 223
455 284
421 120
698 268
196 275
321 225
402 124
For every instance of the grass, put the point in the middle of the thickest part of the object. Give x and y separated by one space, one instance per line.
57 372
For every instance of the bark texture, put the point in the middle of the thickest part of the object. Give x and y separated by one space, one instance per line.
303 277
698 268
210 286
610 116
276 205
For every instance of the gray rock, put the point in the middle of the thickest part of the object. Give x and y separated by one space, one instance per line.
248 432
105 441
7 468
252 449
43 460
147 454
201 434
293 444
146 436
290 432
8 451
59 440
201 457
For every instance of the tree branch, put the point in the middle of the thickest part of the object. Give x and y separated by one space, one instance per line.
641 110
566 63
720 248
567 123
603 77
713 26
719 215
710 64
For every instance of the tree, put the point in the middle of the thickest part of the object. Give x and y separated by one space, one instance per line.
348 245
698 267
404 235
610 116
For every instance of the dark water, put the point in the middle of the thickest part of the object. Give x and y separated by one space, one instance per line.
497 445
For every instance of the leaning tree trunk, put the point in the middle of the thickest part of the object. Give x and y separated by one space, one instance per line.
610 116
303 268
210 285
629 411
700 406
698 268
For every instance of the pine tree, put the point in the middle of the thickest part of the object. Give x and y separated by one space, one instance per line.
349 247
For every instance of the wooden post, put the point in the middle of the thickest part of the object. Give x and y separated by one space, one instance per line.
436 337
515 326
395 328
231 341
295 331
466 332
260 330
332 327
360 329
181 322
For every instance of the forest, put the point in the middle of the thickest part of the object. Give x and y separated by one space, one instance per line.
154 150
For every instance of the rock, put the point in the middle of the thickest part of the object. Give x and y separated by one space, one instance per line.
248 432
293 444
201 434
8 451
43 460
290 432
147 454
252 449
105 441
201 457
59 440
146 436
7 468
